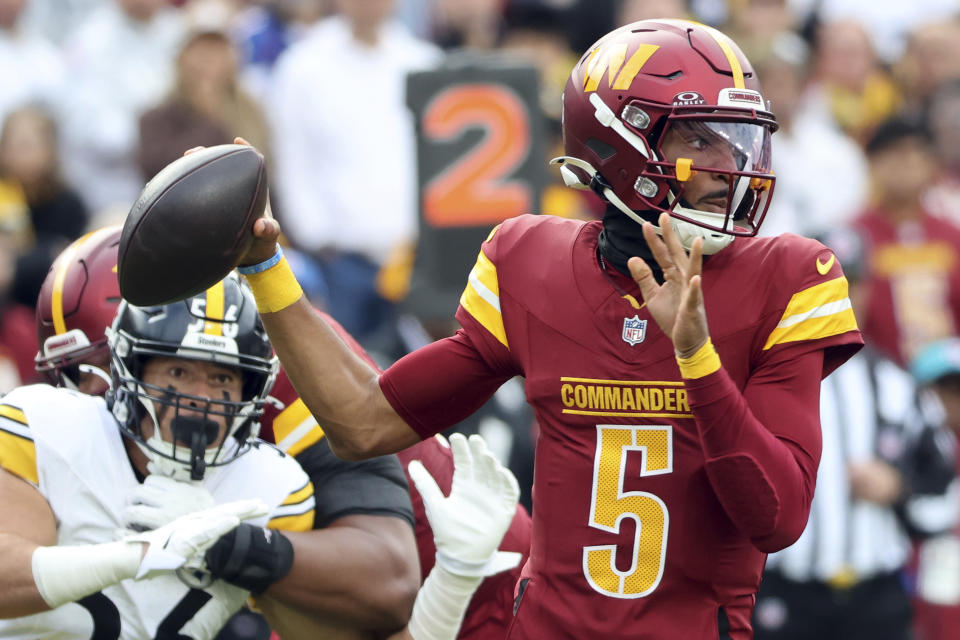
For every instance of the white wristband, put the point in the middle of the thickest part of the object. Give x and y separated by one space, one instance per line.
440 605
68 573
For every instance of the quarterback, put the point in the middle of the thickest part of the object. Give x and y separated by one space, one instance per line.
672 358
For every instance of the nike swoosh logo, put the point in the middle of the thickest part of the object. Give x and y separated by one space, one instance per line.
824 269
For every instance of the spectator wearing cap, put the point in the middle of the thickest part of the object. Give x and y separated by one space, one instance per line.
936 368
912 257
882 479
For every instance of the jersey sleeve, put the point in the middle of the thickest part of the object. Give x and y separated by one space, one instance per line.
443 383
818 316
369 487
762 444
296 512
480 312
18 453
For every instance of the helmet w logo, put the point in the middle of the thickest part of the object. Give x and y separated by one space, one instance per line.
611 57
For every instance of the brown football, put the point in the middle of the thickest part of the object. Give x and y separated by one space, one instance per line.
191 224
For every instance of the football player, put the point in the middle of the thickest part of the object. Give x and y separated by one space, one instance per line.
354 500
673 454
188 383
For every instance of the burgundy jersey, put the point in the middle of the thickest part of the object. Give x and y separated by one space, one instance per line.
655 498
296 431
913 283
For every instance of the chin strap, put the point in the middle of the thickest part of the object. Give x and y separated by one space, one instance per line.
713 241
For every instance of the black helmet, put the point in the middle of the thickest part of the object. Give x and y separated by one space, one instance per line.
220 325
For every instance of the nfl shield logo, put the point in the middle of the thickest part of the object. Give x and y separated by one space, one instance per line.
634 330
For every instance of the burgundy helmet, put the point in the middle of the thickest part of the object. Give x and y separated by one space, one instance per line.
77 302
645 79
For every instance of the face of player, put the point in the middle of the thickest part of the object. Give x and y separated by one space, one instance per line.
204 380
707 145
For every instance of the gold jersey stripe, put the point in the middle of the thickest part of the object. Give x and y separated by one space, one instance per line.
481 298
11 412
18 455
213 325
627 414
821 311
295 428
300 495
300 522
652 383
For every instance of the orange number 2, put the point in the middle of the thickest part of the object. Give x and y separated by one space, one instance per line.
474 190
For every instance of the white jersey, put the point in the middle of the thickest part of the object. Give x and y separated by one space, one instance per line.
69 446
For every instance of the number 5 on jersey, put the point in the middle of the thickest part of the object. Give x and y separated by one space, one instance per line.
610 504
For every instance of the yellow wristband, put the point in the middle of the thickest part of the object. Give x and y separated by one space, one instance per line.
704 362
276 288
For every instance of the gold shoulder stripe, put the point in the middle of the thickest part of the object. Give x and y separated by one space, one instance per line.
13 413
300 522
300 495
821 311
295 428
18 455
481 298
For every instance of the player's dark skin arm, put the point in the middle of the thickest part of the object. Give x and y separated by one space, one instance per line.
360 570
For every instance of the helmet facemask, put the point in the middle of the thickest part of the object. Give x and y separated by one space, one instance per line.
177 331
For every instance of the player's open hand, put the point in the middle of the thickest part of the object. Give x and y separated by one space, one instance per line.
677 304
470 523
266 229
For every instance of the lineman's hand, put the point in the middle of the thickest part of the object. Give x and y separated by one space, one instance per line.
160 500
186 539
677 304
266 229
469 524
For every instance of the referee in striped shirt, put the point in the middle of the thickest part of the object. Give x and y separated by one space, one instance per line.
884 476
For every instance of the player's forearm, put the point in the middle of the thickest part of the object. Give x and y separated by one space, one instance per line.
19 595
764 483
360 570
338 387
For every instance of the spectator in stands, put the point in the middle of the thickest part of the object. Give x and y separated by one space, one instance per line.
32 67
808 148
937 368
206 107
120 64
333 181
848 81
913 257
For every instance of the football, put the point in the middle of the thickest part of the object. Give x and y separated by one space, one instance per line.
191 224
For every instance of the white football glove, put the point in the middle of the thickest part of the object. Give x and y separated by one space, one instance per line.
469 525
186 539
161 500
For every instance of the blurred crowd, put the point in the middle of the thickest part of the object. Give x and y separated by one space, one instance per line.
99 95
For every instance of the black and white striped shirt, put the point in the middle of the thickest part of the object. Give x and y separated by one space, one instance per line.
868 410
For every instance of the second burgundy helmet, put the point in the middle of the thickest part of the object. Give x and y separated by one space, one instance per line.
77 302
